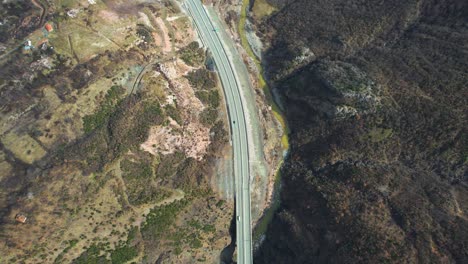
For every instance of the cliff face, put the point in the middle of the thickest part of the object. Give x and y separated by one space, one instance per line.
375 96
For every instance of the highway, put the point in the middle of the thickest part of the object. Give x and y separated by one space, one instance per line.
237 118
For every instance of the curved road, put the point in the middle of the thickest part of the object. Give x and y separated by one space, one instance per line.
211 40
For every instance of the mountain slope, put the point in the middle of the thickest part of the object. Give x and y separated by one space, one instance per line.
375 96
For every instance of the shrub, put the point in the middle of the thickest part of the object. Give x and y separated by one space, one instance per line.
202 79
123 254
208 116
96 120
192 54
209 98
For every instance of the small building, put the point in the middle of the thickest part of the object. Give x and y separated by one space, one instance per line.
43 44
21 218
28 45
49 27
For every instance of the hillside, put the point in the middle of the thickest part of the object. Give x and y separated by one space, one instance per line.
113 138
375 96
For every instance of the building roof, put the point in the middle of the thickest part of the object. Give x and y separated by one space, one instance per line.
49 27
21 218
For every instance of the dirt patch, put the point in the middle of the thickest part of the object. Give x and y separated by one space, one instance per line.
109 15
165 35
190 136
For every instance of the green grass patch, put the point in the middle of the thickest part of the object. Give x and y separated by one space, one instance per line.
151 110
220 203
208 229
262 9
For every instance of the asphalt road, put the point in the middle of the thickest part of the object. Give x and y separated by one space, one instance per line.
208 34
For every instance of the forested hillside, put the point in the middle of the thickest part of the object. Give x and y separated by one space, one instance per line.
375 94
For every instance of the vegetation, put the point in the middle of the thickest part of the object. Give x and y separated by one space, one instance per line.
204 82
136 170
97 253
192 54
92 255
220 203
379 134
160 220
169 164
140 188
145 33
209 98
101 117
123 254
132 234
208 228
71 244
202 79
208 116
262 9
262 84
376 181
174 113
126 127
81 66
